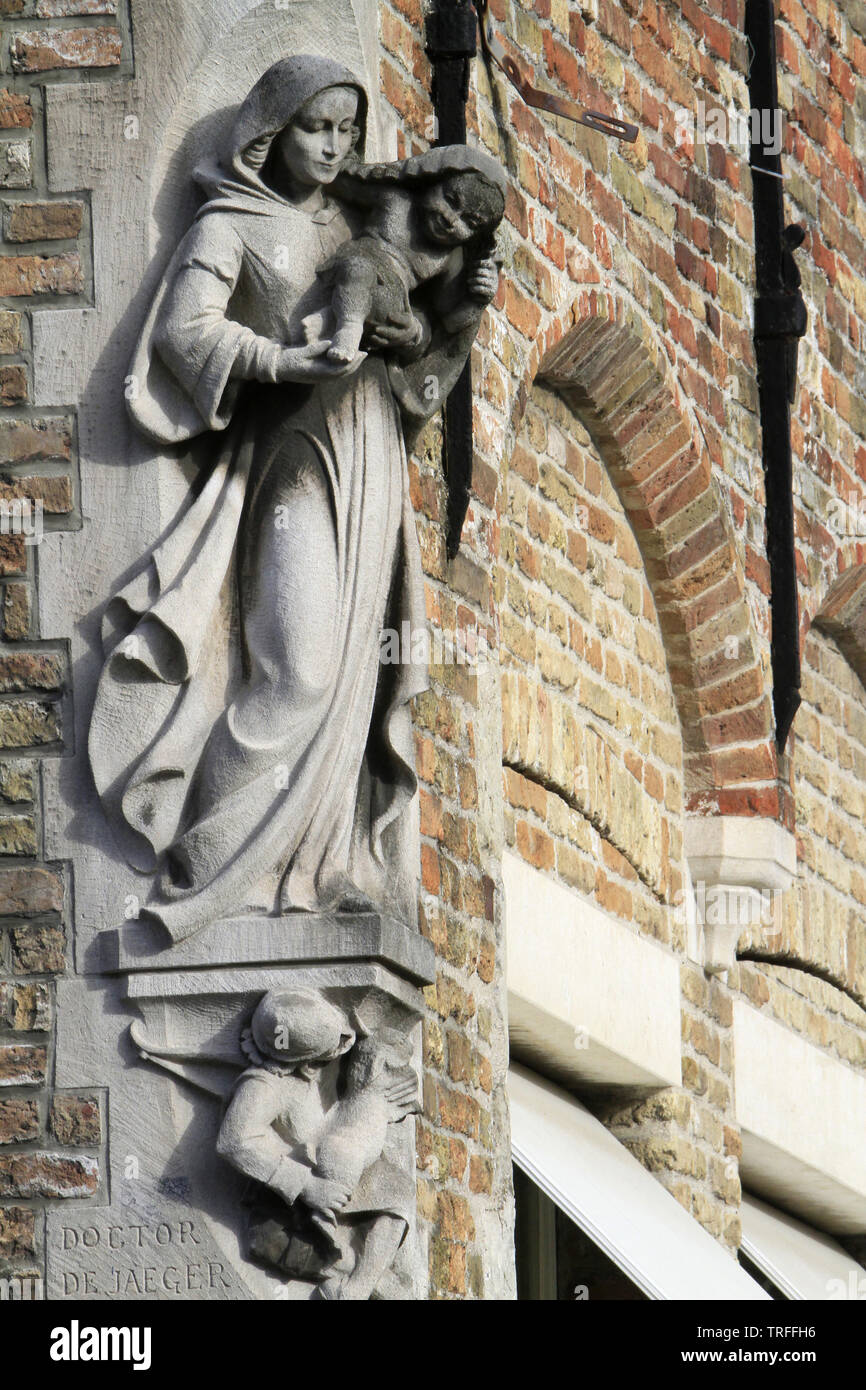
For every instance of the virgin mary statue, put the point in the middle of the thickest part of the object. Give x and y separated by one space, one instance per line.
251 751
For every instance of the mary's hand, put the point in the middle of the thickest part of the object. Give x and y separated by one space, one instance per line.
309 363
400 330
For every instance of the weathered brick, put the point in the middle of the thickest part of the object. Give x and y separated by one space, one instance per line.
27 723
26 1008
24 441
22 1065
34 275
68 9
75 1120
15 110
455 1217
19 1119
24 1176
480 1174
38 949
16 781
18 836
16 612
43 221
459 1112
447 1266
13 384
30 892
16 164
21 671
17 1232
41 50
13 554
10 332
54 492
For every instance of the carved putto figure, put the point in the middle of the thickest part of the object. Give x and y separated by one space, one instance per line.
250 750
308 1122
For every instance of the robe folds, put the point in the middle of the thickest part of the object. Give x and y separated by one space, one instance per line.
249 747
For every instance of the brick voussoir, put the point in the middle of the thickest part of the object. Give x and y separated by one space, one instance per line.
606 388
684 515
712 644
742 725
726 597
645 411
753 763
734 692
657 446
602 369
621 403
698 549
685 464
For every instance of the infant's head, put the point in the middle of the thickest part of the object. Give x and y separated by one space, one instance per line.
462 206
294 1026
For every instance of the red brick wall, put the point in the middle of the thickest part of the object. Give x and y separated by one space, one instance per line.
622 260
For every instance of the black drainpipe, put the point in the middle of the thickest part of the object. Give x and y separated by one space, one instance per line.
451 39
780 321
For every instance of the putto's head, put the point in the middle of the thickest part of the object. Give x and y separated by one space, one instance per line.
460 207
298 1026
312 148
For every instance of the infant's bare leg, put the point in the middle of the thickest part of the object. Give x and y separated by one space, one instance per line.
380 1247
351 302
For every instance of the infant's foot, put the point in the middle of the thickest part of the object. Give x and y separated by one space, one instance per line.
344 345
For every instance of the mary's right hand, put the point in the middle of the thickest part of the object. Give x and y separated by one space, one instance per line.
309 363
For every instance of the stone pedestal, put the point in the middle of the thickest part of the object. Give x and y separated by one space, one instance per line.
174 1223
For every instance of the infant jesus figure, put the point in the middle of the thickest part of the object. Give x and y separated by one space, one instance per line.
431 218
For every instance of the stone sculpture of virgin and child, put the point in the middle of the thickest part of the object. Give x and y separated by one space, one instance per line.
251 751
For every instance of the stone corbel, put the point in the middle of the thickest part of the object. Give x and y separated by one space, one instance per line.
734 863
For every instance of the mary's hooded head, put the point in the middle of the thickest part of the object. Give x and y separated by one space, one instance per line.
270 107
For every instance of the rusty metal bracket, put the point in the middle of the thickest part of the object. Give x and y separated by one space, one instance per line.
546 101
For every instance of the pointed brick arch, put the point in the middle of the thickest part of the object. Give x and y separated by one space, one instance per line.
611 370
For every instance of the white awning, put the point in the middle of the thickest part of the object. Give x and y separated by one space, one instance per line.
800 1261
603 1189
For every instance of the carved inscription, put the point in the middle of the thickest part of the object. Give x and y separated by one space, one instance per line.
163 1260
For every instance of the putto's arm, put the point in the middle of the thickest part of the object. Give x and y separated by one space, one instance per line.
248 1140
